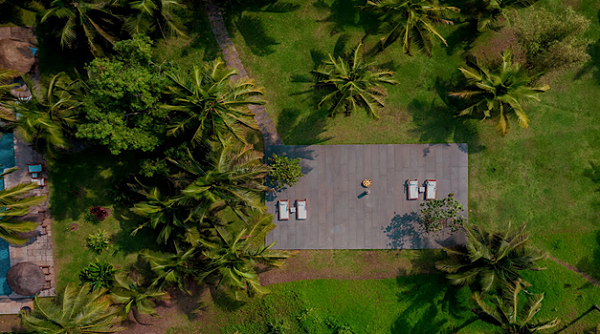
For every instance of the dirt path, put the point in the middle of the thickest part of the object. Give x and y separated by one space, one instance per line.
269 132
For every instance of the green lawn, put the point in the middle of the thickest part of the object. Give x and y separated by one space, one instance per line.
535 175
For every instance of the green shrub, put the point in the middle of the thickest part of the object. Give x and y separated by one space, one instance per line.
442 212
285 171
279 326
553 40
98 275
98 242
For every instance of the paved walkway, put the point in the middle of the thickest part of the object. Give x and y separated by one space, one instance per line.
270 135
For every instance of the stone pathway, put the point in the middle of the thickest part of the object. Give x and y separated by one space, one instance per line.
270 135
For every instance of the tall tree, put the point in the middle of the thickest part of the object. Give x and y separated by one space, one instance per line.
506 313
172 269
134 296
164 213
78 19
233 257
411 21
46 120
231 178
497 89
210 106
151 15
15 204
351 84
123 105
76 309
491 260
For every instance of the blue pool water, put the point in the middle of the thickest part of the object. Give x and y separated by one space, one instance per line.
7 160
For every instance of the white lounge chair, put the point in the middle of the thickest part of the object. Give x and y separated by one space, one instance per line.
301 212
413 189
431 192
284 209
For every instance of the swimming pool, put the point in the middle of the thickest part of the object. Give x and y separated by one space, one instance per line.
7 160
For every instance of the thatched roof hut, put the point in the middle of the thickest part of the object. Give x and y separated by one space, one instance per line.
25 278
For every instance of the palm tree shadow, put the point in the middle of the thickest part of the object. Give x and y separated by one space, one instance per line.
346 14
462 38
255 35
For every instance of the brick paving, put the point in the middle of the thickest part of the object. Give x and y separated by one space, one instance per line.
269 132
39 249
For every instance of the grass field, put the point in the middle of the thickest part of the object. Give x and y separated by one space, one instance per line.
542 175
537 175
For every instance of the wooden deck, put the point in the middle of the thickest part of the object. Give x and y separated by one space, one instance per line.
341 216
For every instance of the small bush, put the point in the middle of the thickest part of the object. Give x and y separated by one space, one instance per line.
98 242
285 171
98 212
99 275
553 40
279 326
443 212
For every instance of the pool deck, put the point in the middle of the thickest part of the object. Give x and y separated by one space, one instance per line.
38 249
342 216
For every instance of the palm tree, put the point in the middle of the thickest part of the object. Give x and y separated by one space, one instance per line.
76 309
210 105
6 77
150 15
16 205
46 120
163 212
233 257
412 21
505 312
497 89
231 178
82 18
488 11
351 84
133 296
171 268
491 260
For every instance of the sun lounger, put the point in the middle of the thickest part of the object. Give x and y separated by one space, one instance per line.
431 192
284 209
39 181
301 212
35 168
413 189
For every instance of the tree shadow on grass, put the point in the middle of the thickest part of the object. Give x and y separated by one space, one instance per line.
591 264
197 25
462 38
346 14
256 37
433 304
127 243
594 63
298 129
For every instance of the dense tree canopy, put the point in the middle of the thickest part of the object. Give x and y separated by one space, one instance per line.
123 106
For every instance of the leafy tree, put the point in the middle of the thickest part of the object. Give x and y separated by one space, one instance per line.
411 21
164 213
285 170
233 257
15 204
489 261
99 274
151 15
133 296
210 106
443 212
553 40
79 19
487 12
76 309
123 107
231 178
497 89
506 313
46 120
172 269
351 84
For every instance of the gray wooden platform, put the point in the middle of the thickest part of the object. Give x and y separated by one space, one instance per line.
340 216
